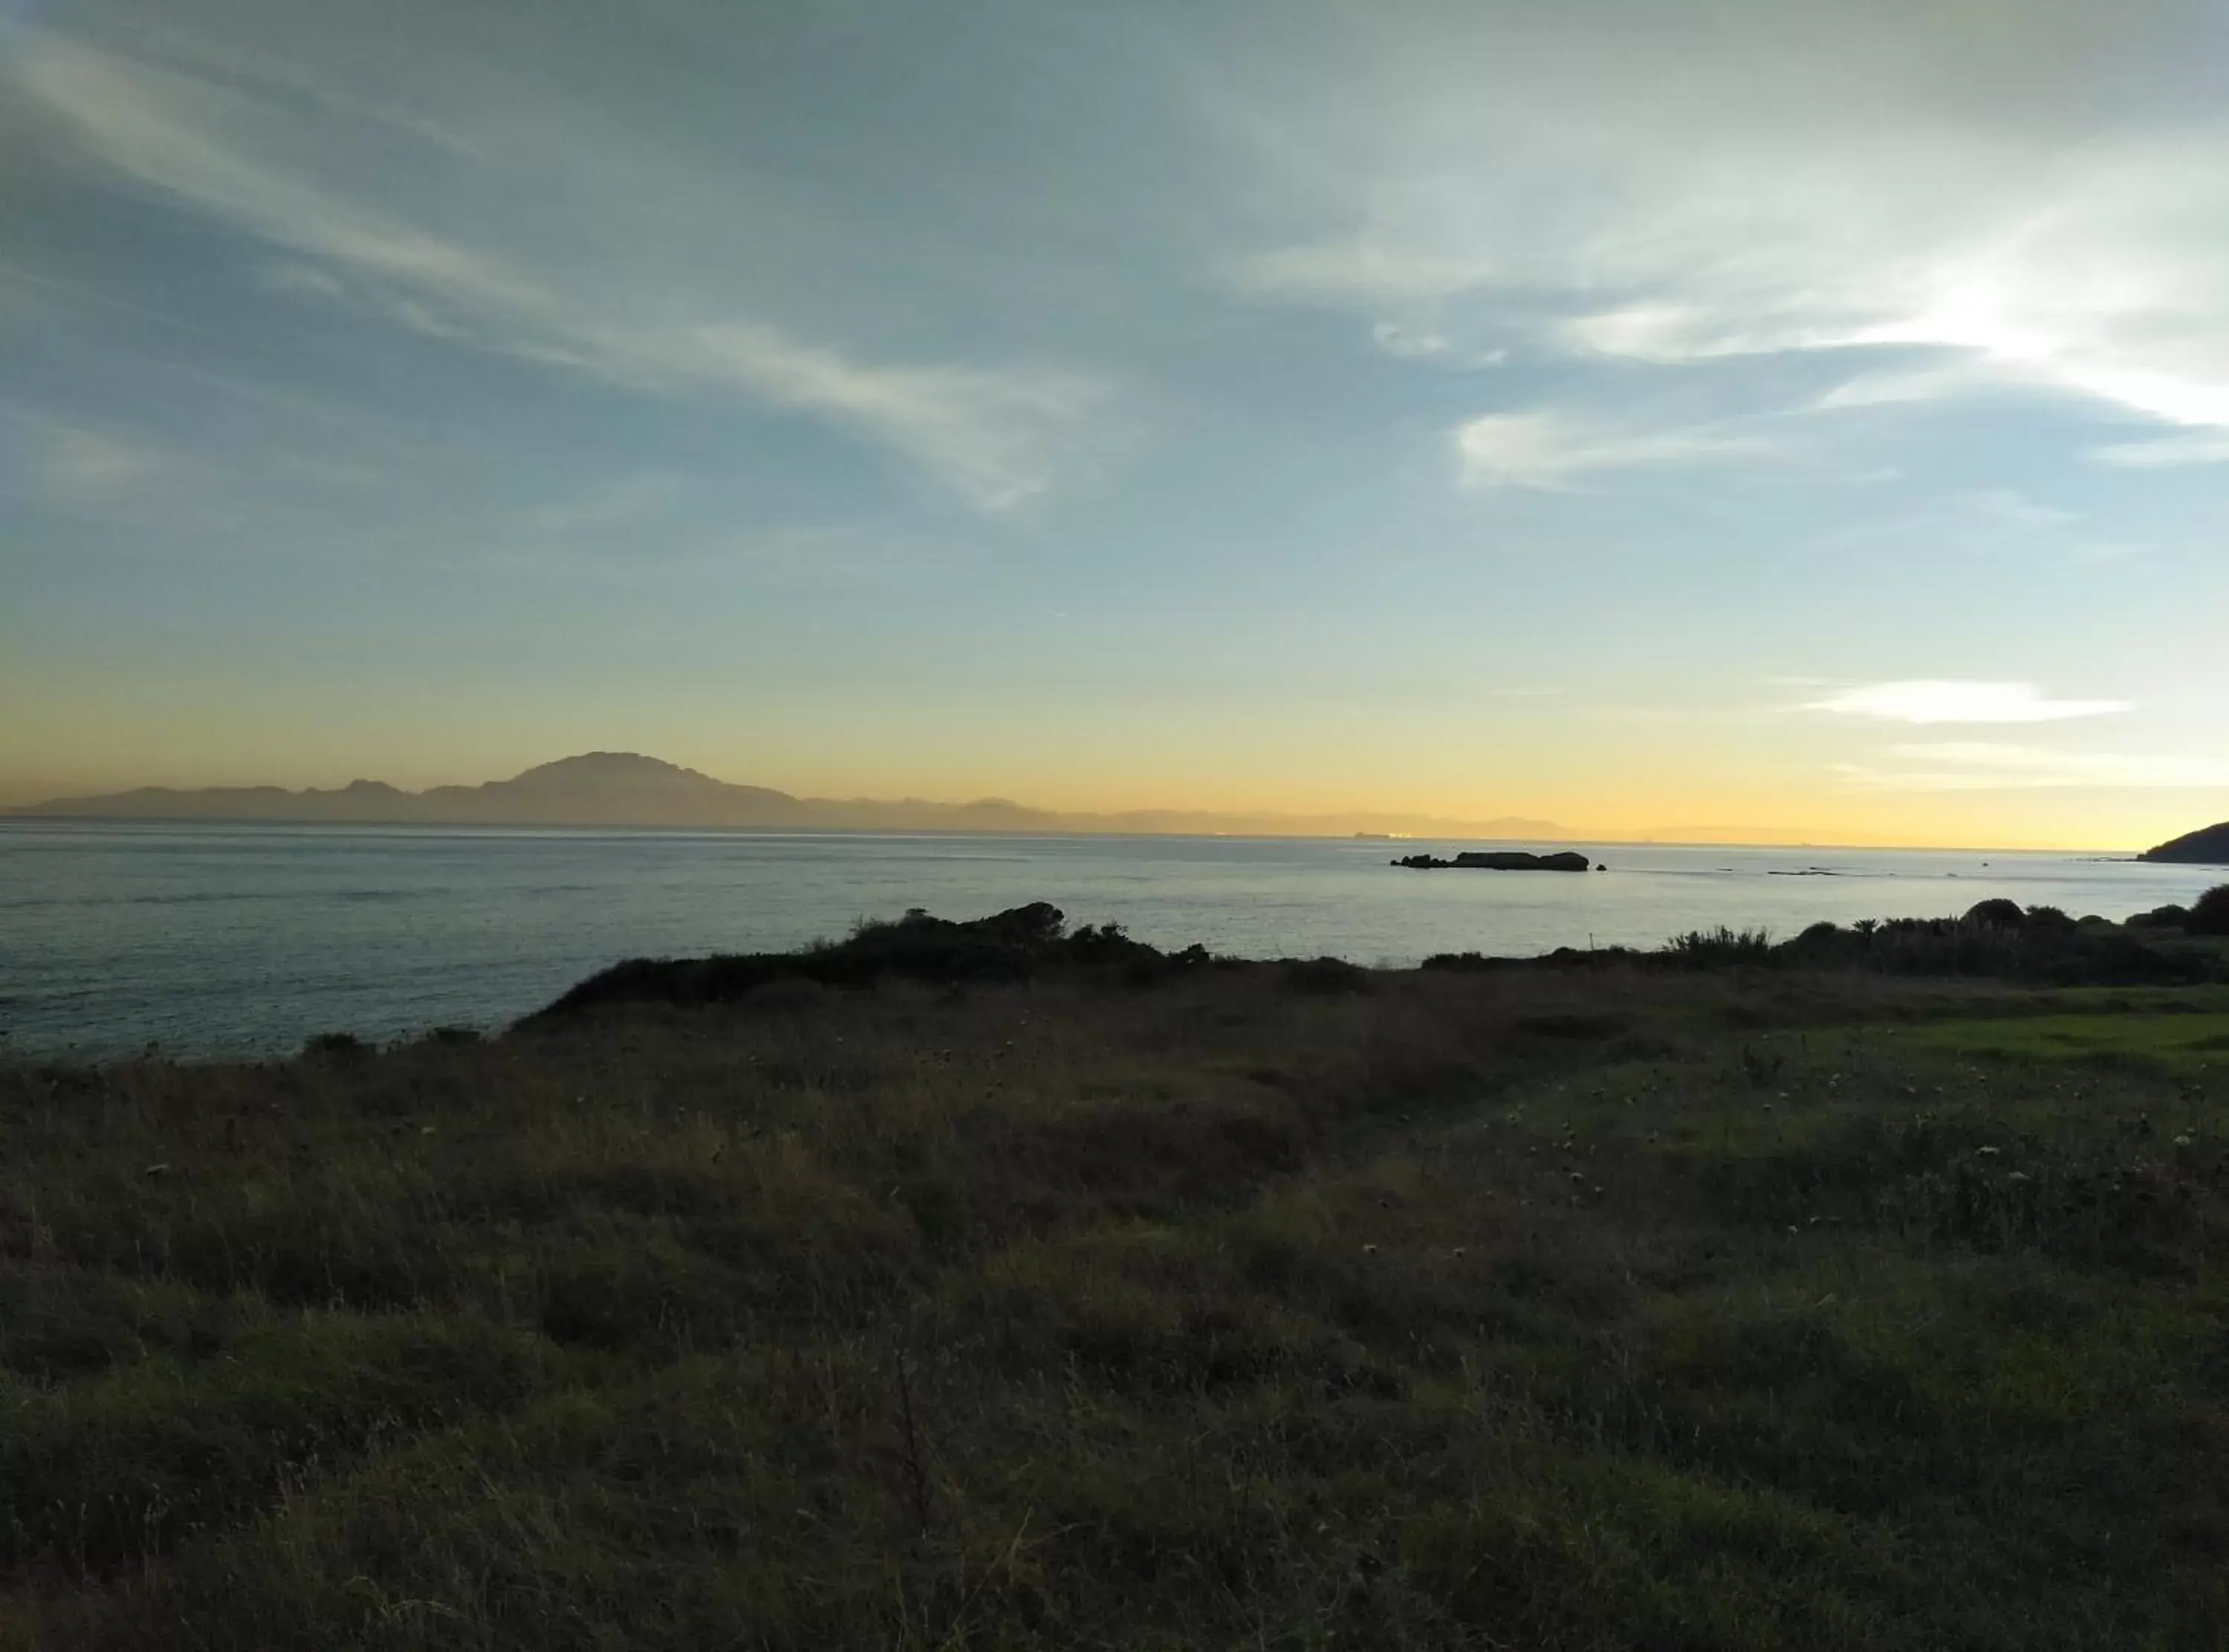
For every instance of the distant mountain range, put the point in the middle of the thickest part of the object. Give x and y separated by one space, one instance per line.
625 788
2207 847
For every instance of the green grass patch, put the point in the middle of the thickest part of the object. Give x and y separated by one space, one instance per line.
2174 1036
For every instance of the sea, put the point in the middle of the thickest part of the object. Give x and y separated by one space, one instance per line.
215 940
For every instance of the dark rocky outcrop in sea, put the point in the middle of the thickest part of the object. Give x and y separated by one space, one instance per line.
1498 860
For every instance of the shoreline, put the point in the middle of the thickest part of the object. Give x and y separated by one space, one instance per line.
2044 947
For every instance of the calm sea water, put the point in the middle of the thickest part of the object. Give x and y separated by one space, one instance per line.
215 939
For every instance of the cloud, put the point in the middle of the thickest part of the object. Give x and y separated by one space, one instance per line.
1413 341
1670 333
630 500
994 436
77 465
2199 447
1650 185
1937 701
998 436
90 467
1962 765
304 280
2015 510
1358 270
1938 380
1551 450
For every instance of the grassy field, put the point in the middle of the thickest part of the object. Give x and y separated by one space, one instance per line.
1264 1306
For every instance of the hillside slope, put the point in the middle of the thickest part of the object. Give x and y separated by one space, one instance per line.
2208 846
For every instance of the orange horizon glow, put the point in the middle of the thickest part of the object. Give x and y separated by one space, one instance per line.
1822 816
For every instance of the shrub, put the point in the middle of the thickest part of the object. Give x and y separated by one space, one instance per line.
336 1046
2209 913
1327 975
1012 946
1997 914
1468 962
2170 917
2046 949
1721 946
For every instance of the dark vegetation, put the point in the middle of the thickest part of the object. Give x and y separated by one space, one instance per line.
2209 913
1014 945
1996 940
2208 846
992 1285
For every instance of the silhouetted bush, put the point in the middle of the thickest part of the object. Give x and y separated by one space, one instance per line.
1327 975
1997 914
2209 913
1468 962
2170 917
2045 946
336 1046
1011 945
1721 946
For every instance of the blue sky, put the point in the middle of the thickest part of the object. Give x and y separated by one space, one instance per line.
1764 414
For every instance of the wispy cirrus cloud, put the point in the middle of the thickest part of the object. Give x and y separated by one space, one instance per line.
73 464
1667 198
1363 269
999 438
2015 510
996 436
2195 447
1935 701
90 466
1415 343
1546 449
1974 765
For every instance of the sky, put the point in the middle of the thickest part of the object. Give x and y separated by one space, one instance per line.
1744 415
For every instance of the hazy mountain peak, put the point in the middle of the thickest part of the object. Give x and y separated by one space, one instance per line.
611 768
608 789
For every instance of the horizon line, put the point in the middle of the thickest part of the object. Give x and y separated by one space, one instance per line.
23 815
1348 822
